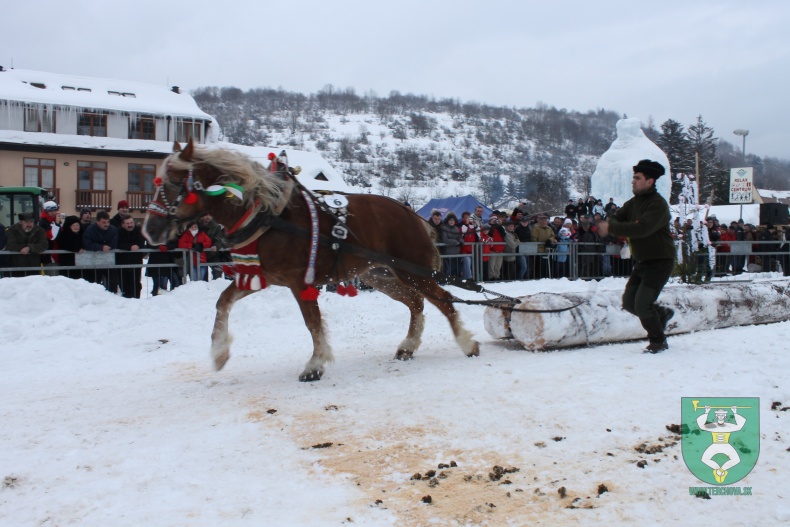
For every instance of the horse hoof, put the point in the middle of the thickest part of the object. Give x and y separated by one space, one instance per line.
219 362
475 351
404 354
311 376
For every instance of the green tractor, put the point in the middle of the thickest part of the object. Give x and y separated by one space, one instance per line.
15 200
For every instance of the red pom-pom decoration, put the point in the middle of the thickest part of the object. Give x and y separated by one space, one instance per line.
309 293
272 155
191 198
341 290
351 290
158 181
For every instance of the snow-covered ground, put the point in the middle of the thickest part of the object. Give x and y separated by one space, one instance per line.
113 416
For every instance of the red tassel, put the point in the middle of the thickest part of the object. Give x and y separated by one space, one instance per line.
158 181
309 293
271 156
191 198
351 290
341 290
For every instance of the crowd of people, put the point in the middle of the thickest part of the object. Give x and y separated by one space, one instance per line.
518 246
116 247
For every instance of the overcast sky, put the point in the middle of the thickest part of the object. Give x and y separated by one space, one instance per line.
726 60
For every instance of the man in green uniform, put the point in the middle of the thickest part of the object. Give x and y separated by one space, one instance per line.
644 219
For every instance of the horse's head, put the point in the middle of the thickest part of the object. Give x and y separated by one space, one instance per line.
175 200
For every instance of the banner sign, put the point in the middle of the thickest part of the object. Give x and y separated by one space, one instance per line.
741 185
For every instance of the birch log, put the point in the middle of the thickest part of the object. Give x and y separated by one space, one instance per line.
601 319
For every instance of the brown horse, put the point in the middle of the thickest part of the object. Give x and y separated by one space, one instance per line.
273 203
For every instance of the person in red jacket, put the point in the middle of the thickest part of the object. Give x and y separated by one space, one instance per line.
196 240
727 235
469 232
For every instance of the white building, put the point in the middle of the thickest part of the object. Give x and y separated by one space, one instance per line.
93 142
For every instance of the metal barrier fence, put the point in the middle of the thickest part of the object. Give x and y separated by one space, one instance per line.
574 260
167 268
531 261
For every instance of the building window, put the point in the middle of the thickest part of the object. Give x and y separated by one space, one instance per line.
186 129
91 175
94 124
141 177
39 119
142 128
39 172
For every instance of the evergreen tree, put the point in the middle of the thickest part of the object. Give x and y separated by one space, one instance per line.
702 153
675 145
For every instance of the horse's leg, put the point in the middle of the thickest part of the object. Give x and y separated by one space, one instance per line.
443 302
391 286
220 337
322 352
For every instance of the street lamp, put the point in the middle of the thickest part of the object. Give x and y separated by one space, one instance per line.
744 133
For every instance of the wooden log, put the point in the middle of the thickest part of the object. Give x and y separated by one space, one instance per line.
600 318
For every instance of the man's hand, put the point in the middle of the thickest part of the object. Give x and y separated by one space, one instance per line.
105 248
24 250
734 410
707 410
135 247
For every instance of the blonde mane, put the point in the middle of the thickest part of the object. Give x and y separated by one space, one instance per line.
235 167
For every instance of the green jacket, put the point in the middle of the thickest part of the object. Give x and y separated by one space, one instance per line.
644 219
18 239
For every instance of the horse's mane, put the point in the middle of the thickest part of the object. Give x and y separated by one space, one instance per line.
235 167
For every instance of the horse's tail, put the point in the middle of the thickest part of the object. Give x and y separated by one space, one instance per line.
436 260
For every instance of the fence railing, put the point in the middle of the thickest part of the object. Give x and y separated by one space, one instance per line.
531 261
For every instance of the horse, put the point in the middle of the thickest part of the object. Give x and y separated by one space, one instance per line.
265 210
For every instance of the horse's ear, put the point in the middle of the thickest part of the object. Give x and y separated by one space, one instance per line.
176 147
189 150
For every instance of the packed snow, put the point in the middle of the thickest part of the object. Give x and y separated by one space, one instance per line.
113 415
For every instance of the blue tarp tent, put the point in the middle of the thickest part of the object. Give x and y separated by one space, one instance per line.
457 205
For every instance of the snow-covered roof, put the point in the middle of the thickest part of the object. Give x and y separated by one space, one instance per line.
40 87
316 174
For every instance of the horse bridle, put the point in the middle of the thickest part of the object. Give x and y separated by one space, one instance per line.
165 209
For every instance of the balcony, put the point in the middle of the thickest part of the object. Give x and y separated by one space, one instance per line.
139 200
94 199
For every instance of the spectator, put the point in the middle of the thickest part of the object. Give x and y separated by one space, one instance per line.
612 210
570 210
524 234
452 239
497 234
598 208
130 238
123 210
196 241
767 236
561 255
609 208
725 261
3 238
511 248
581 208
486 242
29 240
587 241
49 222
214 231
606 259
101 237
557 224
477 217
469 232
69 239
544 235
85 220
160 276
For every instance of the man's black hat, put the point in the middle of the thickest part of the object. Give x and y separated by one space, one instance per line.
651 169
26 216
